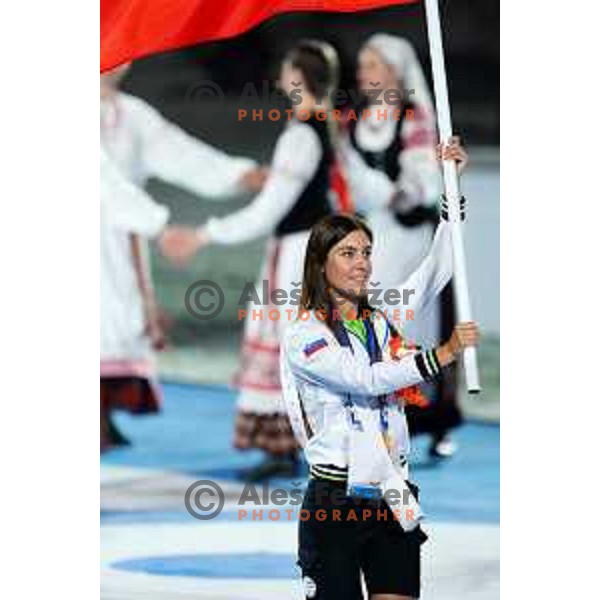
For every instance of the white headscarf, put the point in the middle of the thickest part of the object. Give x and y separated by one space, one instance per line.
399 54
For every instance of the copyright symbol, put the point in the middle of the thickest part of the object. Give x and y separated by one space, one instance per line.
204 300
204 500
201 89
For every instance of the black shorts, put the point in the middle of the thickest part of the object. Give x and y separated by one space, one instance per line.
335 548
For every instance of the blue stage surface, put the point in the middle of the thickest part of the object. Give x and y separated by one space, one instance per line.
193 436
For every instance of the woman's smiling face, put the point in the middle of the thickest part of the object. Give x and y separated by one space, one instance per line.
348 265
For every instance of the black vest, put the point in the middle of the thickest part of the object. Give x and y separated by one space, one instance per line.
386 160
313 204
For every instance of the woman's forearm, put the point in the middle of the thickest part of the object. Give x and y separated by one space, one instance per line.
445 355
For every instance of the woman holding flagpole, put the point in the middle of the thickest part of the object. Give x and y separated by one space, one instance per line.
395 135
296 195
346 374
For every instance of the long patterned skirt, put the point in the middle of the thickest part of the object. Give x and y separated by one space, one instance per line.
262 420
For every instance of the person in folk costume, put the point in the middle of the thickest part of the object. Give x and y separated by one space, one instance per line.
394 134
296 195
142 144
127 214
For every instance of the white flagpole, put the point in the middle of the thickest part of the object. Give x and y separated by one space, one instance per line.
451 186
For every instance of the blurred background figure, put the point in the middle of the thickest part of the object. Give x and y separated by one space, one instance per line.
395 135
141 143
129 328
295 196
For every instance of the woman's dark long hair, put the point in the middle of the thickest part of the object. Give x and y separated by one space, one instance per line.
316 290
319 64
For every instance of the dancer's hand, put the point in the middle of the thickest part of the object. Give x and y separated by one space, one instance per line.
253 180
156 327
179 244
454 151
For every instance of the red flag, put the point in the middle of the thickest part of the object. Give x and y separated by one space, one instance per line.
131 29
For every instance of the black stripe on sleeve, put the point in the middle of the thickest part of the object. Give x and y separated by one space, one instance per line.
422 366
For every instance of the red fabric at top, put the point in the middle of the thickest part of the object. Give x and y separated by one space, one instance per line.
131 29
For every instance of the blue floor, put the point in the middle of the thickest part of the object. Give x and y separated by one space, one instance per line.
193 435
237 566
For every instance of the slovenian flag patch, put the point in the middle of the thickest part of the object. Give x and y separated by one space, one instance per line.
314 347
